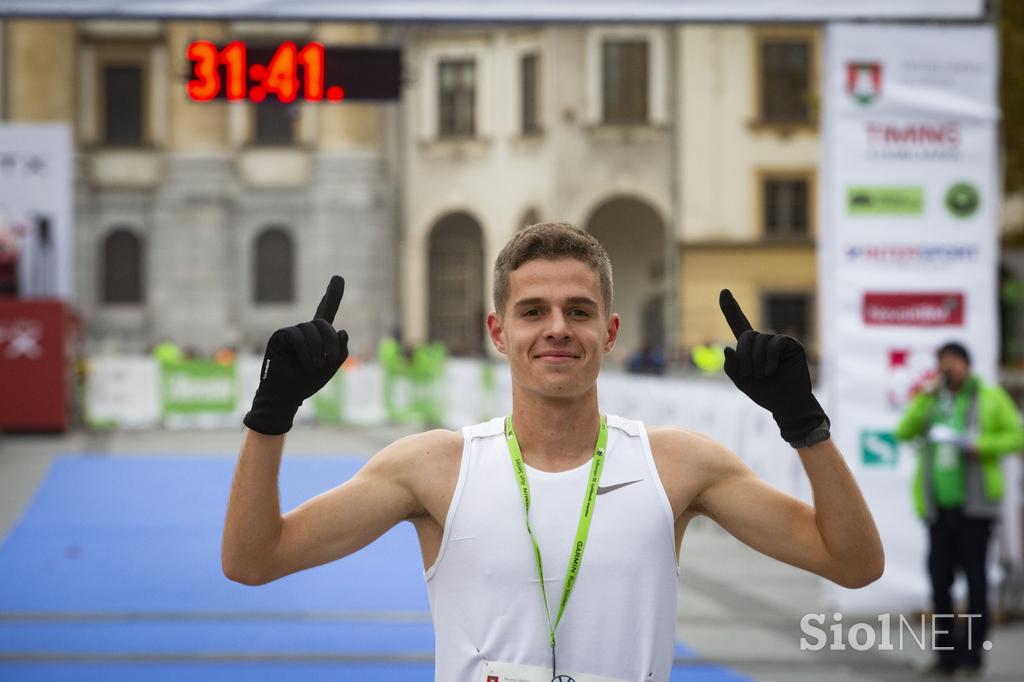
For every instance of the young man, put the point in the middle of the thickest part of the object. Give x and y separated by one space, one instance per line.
515 516
965 426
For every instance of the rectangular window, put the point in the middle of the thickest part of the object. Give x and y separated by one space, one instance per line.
457 98
275 123
122 105
624 82
789 314
786 211
785 81
528 95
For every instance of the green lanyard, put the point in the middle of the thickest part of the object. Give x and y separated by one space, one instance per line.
582 529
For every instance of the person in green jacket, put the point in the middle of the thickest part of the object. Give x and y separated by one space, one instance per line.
964 427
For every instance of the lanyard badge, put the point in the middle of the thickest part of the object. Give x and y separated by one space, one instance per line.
582 528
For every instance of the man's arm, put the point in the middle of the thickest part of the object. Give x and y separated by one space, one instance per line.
261 545
836 538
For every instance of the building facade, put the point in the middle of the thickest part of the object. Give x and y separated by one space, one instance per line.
214 223
508 126
689 151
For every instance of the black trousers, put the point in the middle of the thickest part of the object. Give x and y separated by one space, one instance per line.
959 542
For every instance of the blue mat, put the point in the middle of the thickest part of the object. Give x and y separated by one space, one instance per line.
118 558
143 534
271 672
228 637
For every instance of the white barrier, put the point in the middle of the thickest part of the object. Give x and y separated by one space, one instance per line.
125 392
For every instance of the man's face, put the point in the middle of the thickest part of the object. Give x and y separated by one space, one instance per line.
554 330
954 369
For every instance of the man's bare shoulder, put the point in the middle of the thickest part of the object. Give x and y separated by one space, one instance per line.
688 462
425 450
425 464
683 445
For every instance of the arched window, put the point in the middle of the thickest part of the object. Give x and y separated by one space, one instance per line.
456 304
274 266
122 268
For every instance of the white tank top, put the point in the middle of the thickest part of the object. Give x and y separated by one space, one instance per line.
484 590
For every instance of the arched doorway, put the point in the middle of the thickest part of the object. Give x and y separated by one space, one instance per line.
634 235
456 284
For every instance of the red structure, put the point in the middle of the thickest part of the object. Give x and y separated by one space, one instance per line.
38 339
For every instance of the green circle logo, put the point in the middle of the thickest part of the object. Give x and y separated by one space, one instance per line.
962 199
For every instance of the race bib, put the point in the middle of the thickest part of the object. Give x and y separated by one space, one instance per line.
514 672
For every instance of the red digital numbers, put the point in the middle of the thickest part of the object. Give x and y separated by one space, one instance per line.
233 57
312 58
279 77
206 84
281 73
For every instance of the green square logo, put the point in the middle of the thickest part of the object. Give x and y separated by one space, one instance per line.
879 449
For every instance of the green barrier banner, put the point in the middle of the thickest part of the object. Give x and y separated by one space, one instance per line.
328 403
198 386
412 385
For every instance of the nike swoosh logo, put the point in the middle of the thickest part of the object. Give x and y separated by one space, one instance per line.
602 489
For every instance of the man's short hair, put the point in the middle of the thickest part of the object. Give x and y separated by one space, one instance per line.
551 241
954 348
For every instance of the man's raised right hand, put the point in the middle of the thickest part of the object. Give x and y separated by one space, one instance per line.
298 362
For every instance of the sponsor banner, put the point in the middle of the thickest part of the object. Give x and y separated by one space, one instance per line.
198 386
873 143
121 392
328 402
878 449
910 255
912 140
914 310
907 251
954 83
962 199
892 200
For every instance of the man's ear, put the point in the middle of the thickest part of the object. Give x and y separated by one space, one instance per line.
613 332
496 330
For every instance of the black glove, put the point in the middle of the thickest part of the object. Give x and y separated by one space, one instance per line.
298 362
772 370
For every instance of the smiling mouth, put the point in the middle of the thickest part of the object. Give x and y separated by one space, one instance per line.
556 357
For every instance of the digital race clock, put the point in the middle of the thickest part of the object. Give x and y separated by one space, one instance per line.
289 72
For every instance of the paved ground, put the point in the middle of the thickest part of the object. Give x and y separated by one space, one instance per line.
736 607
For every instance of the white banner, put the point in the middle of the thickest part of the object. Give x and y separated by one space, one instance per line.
122 392
125 392
35 205
907 252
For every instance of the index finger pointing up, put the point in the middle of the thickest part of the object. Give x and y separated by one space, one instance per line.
328 307
738 322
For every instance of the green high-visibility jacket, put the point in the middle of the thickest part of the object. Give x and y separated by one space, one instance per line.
1000 433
